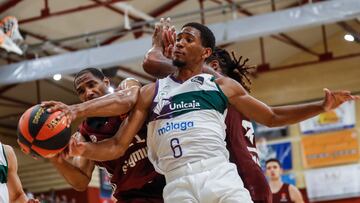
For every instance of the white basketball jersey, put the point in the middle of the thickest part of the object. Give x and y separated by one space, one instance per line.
186 122
4 194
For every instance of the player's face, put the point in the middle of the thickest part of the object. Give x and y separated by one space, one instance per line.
90 87
273 170
188 48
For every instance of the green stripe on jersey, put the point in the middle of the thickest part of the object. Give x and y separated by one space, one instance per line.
194 101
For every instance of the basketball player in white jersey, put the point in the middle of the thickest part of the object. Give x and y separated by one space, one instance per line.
186 129
10 185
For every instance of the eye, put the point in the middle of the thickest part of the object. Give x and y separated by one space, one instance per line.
91 84
80 91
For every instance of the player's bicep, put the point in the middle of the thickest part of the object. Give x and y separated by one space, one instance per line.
137 117
245 103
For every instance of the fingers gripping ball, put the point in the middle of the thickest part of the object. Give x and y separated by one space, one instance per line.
41 133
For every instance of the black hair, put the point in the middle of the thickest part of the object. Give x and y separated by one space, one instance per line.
94 71
232 67
206 35
273 160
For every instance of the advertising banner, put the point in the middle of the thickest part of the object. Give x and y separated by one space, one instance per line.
330 148
340 118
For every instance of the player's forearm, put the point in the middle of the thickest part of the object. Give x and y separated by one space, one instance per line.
105 150
156 64
114 104
285 115
72 174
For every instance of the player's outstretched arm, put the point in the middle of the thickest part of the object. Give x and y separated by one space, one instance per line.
278 116
77 171
116 146
117 103
16 193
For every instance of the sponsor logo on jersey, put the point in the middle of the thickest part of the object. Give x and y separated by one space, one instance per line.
185 105
93 138
178 126
198 79
283 197
134 157
159 106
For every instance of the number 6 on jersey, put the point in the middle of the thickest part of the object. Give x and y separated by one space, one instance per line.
176 148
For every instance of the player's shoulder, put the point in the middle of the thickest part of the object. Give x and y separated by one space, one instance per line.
295 194
223 80
10 155
147 92
230 87
8 150
148 87
292 188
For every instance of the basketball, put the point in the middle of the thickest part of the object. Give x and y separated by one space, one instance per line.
41 133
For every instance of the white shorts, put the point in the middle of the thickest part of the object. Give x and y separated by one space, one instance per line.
213 180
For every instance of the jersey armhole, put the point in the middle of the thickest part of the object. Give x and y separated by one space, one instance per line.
7 164
223 96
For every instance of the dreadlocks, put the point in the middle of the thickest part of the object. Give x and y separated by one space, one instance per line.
232 66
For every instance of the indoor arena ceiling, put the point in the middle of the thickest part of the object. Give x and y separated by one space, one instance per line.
54 27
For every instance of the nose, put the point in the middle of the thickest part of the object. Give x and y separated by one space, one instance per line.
89 94
179 44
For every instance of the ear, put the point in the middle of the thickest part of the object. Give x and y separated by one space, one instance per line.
106 81
206 53
214 64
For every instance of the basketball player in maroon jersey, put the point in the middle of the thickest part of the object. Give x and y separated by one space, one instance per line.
240 138
132 175
282 192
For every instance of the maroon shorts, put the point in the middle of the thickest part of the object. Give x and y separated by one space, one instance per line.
150 192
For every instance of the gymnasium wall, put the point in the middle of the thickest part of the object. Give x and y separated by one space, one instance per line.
301 84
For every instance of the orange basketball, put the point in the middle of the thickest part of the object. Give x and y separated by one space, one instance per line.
41 133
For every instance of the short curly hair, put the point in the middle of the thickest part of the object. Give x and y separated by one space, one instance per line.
206 35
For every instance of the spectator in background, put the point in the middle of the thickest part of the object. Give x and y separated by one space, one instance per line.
282 192
28 194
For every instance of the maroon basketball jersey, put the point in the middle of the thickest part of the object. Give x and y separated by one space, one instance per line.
283 195
240 142
132 175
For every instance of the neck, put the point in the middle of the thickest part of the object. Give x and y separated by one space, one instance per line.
275 185
187 72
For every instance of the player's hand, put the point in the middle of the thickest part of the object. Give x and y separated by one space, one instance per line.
33 201
70 112
76 147
157 40
168 37
127 83
334 99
